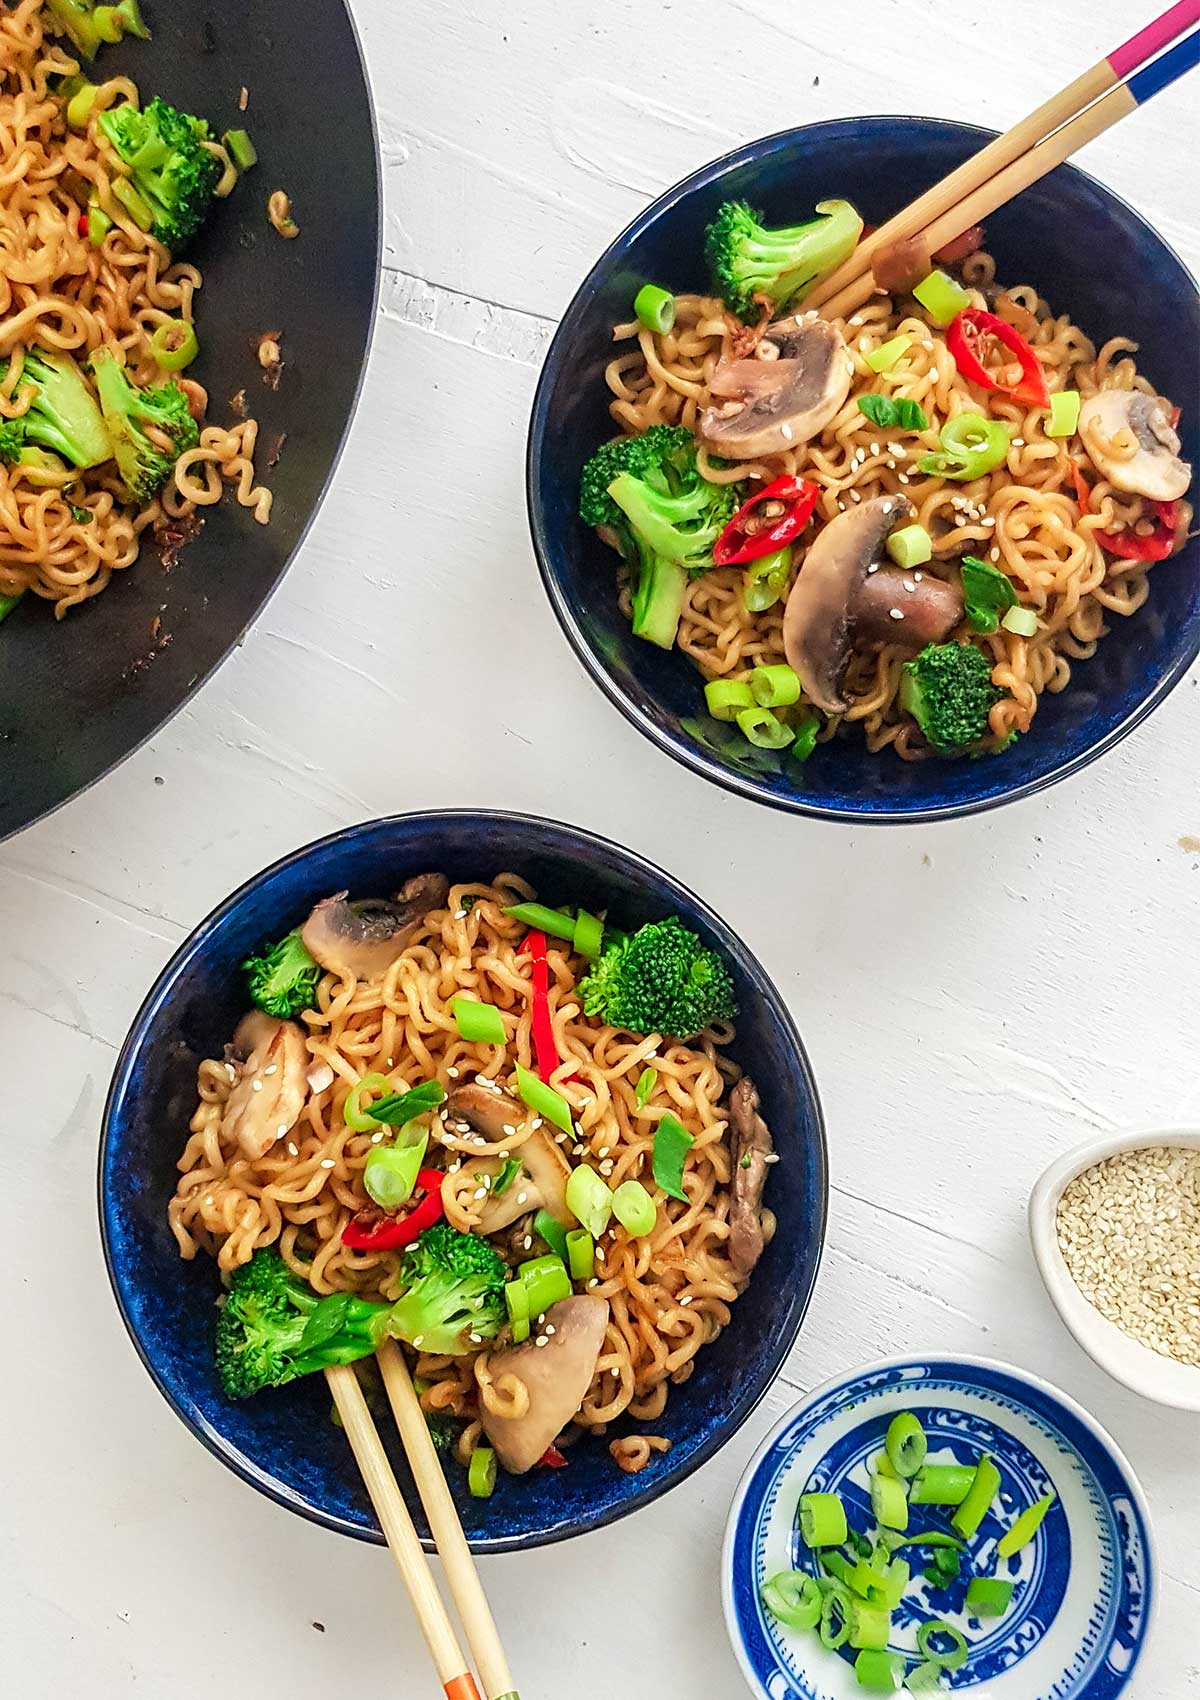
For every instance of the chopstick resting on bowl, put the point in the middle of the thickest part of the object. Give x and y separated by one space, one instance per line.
1088 106
440 1637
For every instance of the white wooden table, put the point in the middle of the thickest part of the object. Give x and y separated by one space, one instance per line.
976 997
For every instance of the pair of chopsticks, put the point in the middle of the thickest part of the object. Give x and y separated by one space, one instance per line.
474 1612
1110 90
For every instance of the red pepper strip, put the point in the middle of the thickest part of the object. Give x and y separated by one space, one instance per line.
83 224
964 336
553 1459
1176 416
738 542
386 1233
544 1048
1083 492
1155 546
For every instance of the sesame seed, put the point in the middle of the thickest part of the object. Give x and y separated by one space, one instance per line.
274 1069
536 1123
1018 442
994 554
595 1282
328 1163
293 1150
933 372
905 479
603 1151
505 1128
549 1328
257 1085
873 567
522 1197
281 1130
480 1192
896 613
540 1341
918 577
686 1299
874 448
376 1137
476 1339
527 1243
856 495
455 1166
786 432
908 584
453 1073
419 1340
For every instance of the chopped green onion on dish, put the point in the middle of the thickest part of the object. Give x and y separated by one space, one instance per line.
589 1200
634 1208
543 1100
1025 1527
655 307
883 358
1064 413
481 1473
478 1023
647 1081
942 298
726 698
822 1520
672 1142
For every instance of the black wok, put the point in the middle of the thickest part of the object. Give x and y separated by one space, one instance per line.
78 695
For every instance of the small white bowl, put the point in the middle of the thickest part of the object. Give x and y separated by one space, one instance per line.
1126 1359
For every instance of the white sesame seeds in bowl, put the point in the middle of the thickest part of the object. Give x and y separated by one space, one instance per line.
1115 1227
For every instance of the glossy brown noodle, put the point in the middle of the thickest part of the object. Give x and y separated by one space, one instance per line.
1024 517
669 1293
59 292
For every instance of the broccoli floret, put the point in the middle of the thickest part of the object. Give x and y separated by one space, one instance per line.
171 171
666 517
454 1297
89 26
144 466
274 1328
747 259
62 416
282 979
948 690
661 979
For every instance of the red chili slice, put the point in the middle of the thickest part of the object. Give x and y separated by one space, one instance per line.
750 535
1154 546
544 1048
963 340
553 1459
377 1232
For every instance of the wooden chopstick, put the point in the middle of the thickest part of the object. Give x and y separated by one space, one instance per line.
448 1658
984 199
1006 150
457 1563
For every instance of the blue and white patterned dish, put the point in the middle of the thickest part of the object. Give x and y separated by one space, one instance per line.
1085 1587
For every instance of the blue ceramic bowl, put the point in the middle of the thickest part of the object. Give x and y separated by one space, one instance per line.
1086 251
283 1442
1084 1587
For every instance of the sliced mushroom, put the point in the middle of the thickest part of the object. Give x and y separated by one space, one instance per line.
555 1376
361 940
272 1083
542 1183
819 617
784 396
1114 420
752 1147
930 608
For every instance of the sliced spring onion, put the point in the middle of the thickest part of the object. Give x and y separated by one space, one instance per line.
634 1208
726 698
882 1465
478 1023
589 935
98 225
879 1587
889 1502
1064 413
955 1656
1025 1527
989 1596
794 1598
647 1081
553 1232
481 1473
911 546
836 1603
505 1176
975 1506
934 1538
822 1520
396 1108
971 445
766 578
543 1100
906 1444
924 1679
1022 621
240 148
174 345
806 738
655 307
546 1281
79 107
775 687
672 1142
539 919
879 1672
353 1114
942 298
870 1626
581 1254
390 1172
8 603
941 1484
883 358
589 1200
763 729
837 1565
516 1297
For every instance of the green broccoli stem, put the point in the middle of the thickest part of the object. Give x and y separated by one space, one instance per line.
62 415
658 599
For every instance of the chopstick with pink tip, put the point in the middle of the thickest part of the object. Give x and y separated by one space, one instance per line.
1107 77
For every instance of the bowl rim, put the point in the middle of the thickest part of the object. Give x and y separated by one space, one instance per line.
688 756
123 1080
1135 1365
898 1360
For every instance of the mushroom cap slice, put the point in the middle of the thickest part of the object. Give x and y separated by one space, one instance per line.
752 1148
556 1377
361 940
272 1086
1155 470
542 1184
786 398
931 608
818 619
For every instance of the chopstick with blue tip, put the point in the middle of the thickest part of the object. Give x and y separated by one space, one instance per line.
1009 148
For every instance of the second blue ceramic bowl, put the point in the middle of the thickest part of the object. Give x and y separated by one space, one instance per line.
283 1442
1088 252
